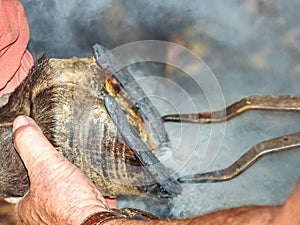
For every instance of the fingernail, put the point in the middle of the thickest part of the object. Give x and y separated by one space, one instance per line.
20 121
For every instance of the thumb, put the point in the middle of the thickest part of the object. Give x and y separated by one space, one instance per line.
31 144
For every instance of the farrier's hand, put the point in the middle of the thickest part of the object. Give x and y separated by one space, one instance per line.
59 192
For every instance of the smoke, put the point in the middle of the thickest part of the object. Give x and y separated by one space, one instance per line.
252 48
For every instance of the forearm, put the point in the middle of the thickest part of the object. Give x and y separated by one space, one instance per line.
252 215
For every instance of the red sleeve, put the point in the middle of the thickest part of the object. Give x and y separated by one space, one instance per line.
15 60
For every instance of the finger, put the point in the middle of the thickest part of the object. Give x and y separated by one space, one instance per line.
31 144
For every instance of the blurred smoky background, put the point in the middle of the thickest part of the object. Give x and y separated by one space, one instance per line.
252 48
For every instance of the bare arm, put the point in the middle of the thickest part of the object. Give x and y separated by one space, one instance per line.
245 215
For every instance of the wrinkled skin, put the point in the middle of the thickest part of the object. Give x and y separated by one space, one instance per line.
70 197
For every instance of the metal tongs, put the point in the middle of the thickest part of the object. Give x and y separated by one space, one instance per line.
156 125
288 103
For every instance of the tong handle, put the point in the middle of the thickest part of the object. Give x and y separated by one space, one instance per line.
267 147
264 102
